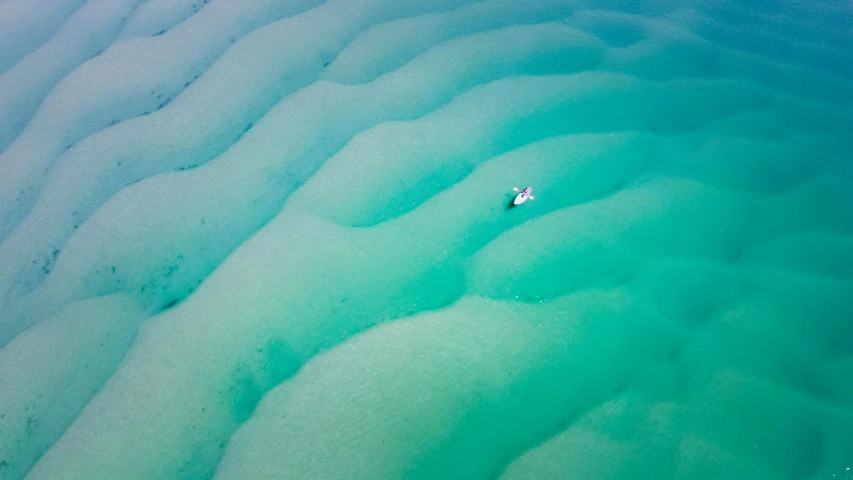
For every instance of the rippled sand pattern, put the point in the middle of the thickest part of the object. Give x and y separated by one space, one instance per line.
265 239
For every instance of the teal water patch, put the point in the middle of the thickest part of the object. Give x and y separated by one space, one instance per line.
307 263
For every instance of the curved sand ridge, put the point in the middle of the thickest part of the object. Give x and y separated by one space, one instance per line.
24 30
101 92
303 264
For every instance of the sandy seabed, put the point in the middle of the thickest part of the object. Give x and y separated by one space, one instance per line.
266 239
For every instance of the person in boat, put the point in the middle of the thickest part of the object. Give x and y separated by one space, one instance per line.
524 195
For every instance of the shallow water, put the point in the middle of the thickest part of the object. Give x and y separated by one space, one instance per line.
262 239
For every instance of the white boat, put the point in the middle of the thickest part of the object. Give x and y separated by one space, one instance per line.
523 196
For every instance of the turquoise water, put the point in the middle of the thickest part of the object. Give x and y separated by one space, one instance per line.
263 239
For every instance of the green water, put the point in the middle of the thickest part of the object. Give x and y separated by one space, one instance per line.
307 266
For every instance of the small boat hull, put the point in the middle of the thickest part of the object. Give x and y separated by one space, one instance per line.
520 198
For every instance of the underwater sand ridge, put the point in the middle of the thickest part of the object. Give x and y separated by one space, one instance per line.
752 360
